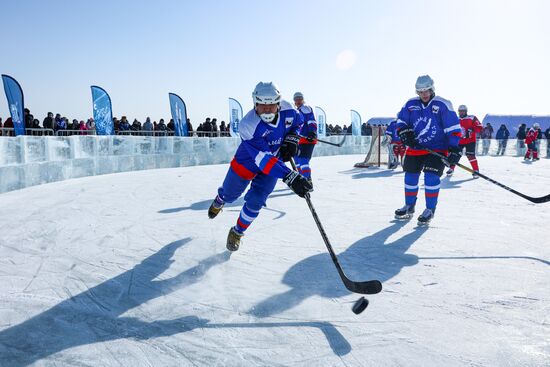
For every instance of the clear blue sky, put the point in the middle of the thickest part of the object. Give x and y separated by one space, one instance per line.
493 56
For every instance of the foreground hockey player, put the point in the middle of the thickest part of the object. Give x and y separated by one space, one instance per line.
430 122
309 130
531 141
397 149
470 126
269 138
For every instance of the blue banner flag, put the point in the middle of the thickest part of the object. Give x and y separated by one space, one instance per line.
179 114
235 116
355 123
14 94
103 111
321 122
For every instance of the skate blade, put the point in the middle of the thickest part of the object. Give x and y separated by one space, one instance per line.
403 217
423 224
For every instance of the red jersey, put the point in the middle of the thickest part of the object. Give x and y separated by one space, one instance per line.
470 127
532 136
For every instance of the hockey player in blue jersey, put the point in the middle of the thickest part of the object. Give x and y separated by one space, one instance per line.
426 121
269 134
309 133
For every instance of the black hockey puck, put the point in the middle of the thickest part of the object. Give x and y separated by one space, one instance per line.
360 305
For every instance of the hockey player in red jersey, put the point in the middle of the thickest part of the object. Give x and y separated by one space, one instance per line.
531 141
470 126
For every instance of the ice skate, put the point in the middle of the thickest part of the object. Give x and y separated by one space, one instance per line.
405 212
233 239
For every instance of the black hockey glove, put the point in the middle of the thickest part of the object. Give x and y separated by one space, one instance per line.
454 156
312 136
408 137
298 183
289 147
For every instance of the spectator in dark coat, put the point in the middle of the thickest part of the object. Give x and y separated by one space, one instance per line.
136 125
214 127
28 118
486 135
502 136
161 127
124 124
223 129
148 127
171 125
48 122
75 125
207 127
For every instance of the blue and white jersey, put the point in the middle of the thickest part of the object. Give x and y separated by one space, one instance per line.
435 125
261 141
391 131
310 124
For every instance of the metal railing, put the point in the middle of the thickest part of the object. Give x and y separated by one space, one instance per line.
10 131
69 132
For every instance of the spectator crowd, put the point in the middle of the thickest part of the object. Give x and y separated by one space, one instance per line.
60 125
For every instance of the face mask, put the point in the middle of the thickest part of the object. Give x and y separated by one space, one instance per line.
267 117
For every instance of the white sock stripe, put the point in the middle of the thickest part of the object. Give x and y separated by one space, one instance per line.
436 187
253 211
305 166
246 217
411 187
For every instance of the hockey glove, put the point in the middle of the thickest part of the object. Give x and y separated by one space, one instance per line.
298 183
289 147
312 136
408 137
454 156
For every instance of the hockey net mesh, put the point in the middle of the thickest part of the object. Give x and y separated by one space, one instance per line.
378 151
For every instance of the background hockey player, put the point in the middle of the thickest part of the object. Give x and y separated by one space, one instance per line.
269 138
396 146
531 141
470 126
309 130
430 122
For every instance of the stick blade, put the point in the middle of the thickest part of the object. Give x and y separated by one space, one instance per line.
368 287
542 199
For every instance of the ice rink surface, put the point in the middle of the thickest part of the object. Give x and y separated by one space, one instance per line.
127 270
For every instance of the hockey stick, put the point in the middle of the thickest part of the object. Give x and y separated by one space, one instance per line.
539 200
366 287
327 142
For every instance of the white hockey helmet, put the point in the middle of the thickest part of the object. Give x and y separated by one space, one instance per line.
463 108
298 95
266 93
536 125
424 83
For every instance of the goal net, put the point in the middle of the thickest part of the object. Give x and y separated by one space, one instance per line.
378 153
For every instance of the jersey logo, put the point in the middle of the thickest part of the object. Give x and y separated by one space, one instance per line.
289 121
414 108
435 109
428 132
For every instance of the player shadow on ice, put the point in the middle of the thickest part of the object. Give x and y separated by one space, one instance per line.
375 172
94 316
449 183
372 257
205 204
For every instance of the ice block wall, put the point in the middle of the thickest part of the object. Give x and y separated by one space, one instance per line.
33 160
